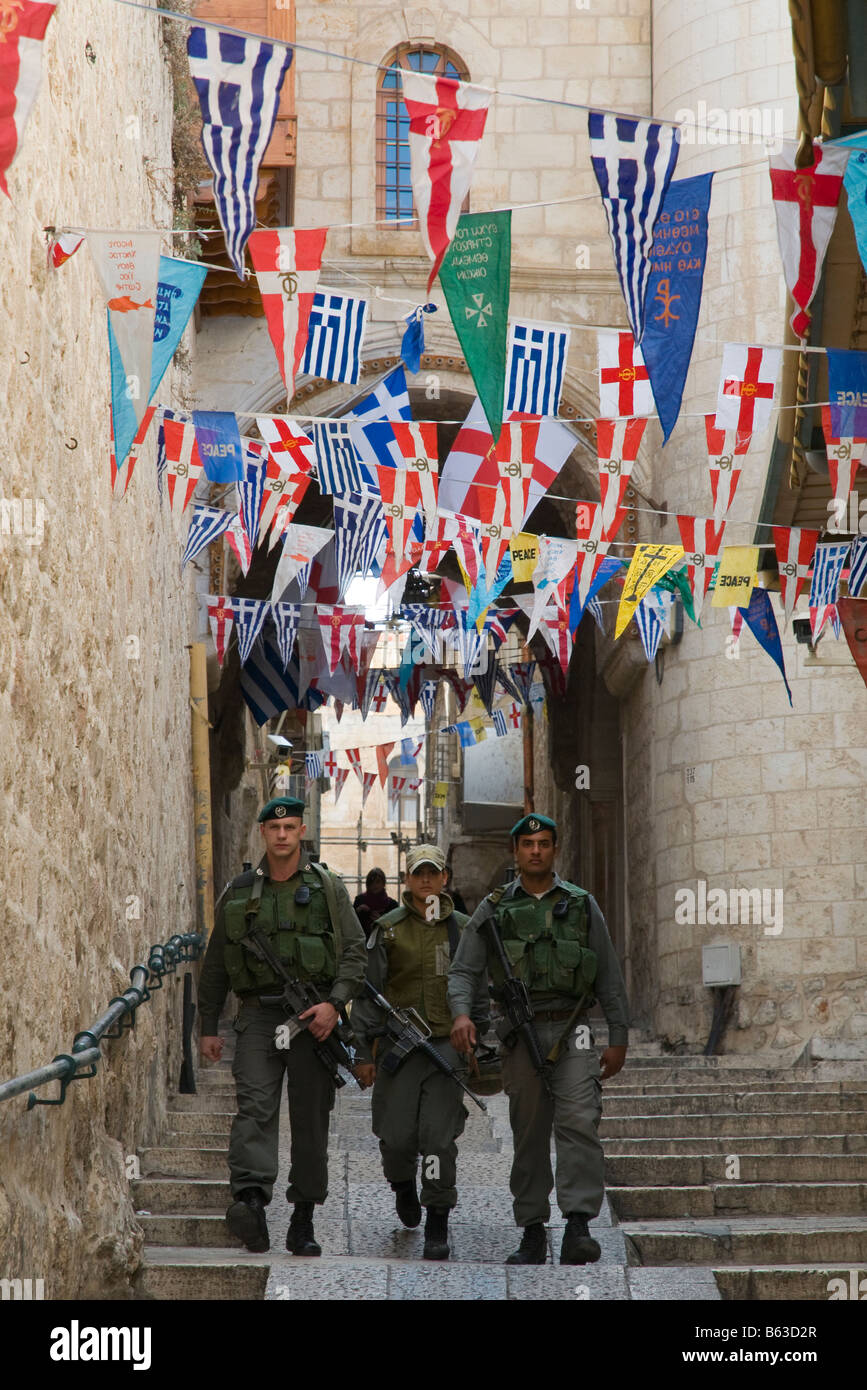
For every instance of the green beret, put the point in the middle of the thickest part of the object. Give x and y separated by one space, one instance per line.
280 806
532 824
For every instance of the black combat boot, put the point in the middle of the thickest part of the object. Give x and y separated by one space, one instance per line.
245 1218
579 1247
406 1203
299 1237
436 1234
533 1249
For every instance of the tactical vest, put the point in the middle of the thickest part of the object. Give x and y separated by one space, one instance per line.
418 965
547 943
300 934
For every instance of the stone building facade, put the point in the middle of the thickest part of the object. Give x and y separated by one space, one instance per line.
95 779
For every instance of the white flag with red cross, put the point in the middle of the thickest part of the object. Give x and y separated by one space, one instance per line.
794 548
287 442
221 616
353 757
123 474
439 540
746 389
329 763
287 264
702 542
340 777
367 781
725 449
237 538
446 124
592 550
513 715
341 629
845 456
617 445
291 454
805 201
555 629
183 465
405 489
624 382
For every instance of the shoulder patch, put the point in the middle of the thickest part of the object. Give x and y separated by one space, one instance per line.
242 880
494 898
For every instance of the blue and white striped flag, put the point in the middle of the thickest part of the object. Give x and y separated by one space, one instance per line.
334 343
828 562
499 719
535 366
313 766
633 162
595 607
268 686
389 400
207 524
650 626
238 82
359 531
251 488
428 695
250 614
337 461
286 618
858 566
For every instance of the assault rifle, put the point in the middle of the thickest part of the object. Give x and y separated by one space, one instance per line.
409 1033
298 996
518 1023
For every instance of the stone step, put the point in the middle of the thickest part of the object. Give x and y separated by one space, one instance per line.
740 1199
183 1162
196 1122
718 1087
748 1241
809 1283
753 1122
743 1102
178 1275
204 1139
159 1196
779 1144
201 1230
691 1170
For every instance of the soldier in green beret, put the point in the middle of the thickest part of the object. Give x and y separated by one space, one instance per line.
557 942
417 1111
305 911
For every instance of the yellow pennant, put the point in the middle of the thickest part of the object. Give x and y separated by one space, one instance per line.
736 576
525 557
441 794
649 563
478 727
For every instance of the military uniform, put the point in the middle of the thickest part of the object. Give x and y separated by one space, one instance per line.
418 1109
328 954
559 946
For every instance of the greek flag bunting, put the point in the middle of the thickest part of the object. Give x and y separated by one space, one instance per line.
268 686
238 82
286 619
337 461
535 366
633 162
207 524
250 614
858 566
251 488
594 606
335 332
389 400
313 766
499 721
650 627
828 562
428 695
359 530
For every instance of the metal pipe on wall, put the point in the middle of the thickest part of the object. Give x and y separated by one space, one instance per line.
201 755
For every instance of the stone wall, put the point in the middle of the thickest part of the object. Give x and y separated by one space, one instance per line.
95 782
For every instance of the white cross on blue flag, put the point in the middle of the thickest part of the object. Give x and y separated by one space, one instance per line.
336 328
633 162
535 367
238 82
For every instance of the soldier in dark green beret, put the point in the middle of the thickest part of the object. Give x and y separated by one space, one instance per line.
556 940
305 911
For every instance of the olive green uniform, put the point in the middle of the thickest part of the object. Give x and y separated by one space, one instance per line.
559 946
305 939
418 1109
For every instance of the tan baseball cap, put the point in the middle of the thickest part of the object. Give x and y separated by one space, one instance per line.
425 854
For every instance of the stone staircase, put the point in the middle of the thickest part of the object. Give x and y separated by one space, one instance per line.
725 1181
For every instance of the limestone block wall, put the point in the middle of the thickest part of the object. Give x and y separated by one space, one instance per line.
745 793
95 783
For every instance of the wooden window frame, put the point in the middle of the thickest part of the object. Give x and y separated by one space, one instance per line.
386 162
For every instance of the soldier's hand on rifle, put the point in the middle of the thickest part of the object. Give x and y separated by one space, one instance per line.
463 1035
612 1060
211 1049
323 1017
364 1073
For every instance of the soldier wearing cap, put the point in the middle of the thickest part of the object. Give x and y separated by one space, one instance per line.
305 911
418 1110
557 943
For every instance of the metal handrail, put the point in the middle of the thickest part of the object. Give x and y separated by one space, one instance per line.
66 1066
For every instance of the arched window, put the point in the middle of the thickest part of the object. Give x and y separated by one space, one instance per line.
393 186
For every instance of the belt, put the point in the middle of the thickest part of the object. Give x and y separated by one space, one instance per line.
262 1001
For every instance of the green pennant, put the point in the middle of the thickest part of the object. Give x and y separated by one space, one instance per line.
475 276
677 582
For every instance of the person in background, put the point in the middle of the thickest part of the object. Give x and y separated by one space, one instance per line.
373 902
